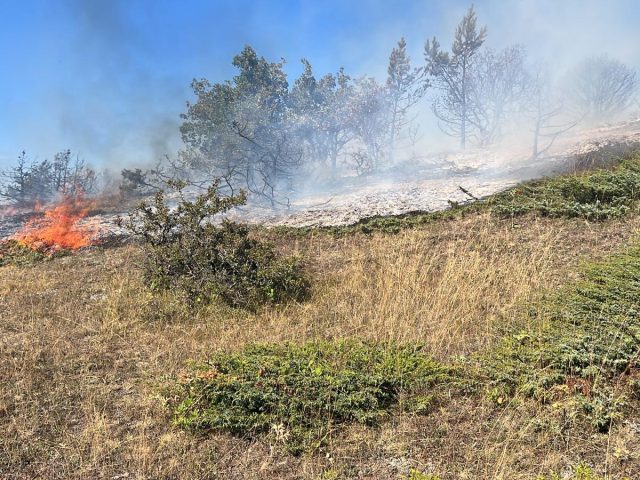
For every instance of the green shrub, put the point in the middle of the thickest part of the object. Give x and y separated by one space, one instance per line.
588 334
593 195
300 394
187 251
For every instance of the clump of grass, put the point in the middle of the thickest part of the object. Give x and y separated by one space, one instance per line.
594 195
586 336
300 394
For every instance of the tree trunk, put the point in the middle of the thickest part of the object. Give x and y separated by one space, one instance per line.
334 160
536 133
463 122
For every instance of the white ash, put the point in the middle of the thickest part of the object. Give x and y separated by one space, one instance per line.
426 184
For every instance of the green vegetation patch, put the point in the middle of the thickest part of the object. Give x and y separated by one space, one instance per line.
391 224
299 394
594 195
585 341
579 472
418 475
13 252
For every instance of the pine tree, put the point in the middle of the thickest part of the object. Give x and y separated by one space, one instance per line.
405 89
452 75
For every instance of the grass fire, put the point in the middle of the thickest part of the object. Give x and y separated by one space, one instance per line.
56 227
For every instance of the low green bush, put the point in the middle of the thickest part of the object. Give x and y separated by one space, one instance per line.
594 195
187 251
581 339
299 394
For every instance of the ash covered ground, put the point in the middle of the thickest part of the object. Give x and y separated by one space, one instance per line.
423 184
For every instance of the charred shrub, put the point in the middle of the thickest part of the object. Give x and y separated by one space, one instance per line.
187 250
136 183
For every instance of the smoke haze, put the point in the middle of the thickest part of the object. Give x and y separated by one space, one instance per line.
109 79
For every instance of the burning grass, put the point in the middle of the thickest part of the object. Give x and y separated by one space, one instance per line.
53 232
58 228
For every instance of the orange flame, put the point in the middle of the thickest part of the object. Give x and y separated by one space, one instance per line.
58 229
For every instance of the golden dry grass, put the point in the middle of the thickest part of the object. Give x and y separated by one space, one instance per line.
87 354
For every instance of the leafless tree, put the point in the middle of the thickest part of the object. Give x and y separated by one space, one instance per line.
547 110
405 87
600 88
500 85
370 123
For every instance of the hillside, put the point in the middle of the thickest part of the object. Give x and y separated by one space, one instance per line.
421 185
504 336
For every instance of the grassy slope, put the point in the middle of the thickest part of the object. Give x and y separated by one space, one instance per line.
90 357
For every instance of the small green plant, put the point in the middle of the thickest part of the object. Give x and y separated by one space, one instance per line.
299 394
186 250
578 472
418 475
330 474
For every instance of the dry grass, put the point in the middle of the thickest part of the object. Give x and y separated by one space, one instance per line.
87 353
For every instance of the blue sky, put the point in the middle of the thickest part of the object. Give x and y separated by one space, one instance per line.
109 78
